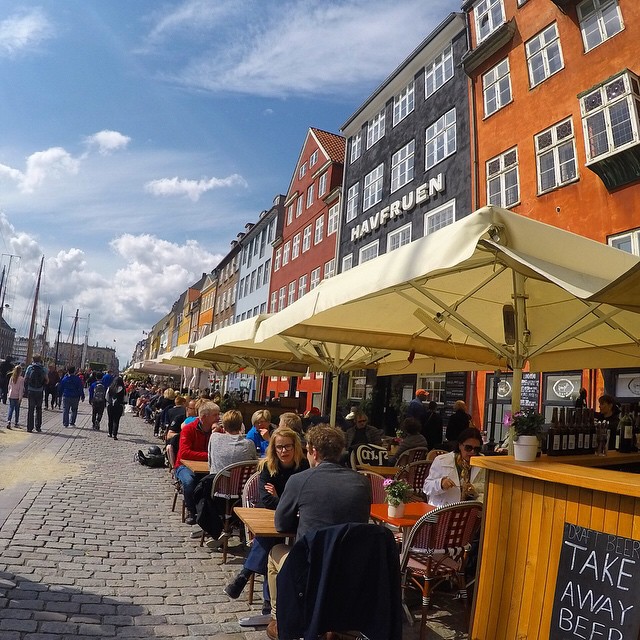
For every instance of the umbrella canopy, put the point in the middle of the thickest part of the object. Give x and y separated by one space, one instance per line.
155 368
494 288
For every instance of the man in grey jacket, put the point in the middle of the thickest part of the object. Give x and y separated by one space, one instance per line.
322 496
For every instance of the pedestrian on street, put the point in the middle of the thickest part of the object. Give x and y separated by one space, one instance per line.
72 391
35 379
15 393
98 402
50 390
115 405
6 366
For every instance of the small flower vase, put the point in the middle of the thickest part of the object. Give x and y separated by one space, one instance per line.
396 511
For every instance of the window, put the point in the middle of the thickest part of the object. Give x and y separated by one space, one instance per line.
263 307
286 252
496 87
299 207
281 297
347 262
544 55
368 252
489 15
333 219
290 214
267 271
438 72
306 239
322 185
375 129
292 293
319 230
252 286
246 287
274 301
355 148
403 103
259 277
628 241
295 252
263 242
315 278
242 280
310 196
440 217
329 268
276 262
609 117
556 156
399 237
358 384
402 166
441 139
599 21
353 197
303 170
521 2
302 285
503 188
313 159
372 191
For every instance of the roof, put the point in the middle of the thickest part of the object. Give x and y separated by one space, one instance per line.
332 143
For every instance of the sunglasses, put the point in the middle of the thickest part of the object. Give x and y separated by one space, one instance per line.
284 447
361 421
469 448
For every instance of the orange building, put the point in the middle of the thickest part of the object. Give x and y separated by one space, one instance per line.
556 103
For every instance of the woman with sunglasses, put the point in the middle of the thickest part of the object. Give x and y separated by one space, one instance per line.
451 477
283 458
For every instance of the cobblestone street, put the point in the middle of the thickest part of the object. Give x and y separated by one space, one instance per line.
89 547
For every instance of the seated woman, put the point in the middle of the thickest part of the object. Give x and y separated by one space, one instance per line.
260 431
452 478
284 458
413 439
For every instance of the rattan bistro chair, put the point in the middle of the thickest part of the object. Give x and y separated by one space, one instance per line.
250 499
412 455
434 453
437 549
378 496
415 474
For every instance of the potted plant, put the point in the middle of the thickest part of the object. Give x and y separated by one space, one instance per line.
398 493
526 431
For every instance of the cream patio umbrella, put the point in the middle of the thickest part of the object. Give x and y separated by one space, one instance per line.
494 288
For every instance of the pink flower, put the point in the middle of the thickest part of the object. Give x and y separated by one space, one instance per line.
388 482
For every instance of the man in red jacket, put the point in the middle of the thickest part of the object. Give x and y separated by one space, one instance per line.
194 442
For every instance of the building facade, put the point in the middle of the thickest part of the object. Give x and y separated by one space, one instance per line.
225 304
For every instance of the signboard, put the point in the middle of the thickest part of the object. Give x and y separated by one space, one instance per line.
455 388
530 391
596 592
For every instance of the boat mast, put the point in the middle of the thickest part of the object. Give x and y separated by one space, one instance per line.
85 346
32 327
45 332
73 338
58 337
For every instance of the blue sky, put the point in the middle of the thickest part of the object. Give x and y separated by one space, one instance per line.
138 137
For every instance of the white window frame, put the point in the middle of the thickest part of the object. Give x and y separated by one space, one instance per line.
315 278
355 148
330 268
282 296
291 298
277 259
372 191
440 139
495 83
318 232
439 71
375 128
313 159
322 185
558 143
353 200
306 239
369 251
267 271
259 276
449 208
347 262
299 204
274 301
631 237
500 177
286 253
302 285
401 236
403 166
596 18
404 103
487 19
289 214
295 248
303 170
310 195
333 219
541 50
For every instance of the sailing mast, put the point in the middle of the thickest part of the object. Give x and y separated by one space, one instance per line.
32 327
58 337
45 332
73 338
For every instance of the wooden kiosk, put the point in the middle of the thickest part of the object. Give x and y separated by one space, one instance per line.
525 589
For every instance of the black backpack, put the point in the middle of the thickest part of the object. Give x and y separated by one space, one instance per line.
153 458
99 393
36 376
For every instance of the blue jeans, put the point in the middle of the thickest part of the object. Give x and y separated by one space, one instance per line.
69 405
14 408
34 409
188 480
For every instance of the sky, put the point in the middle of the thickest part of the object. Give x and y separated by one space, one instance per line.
137 138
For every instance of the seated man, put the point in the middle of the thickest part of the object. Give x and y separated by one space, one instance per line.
362 432
413 439
172 436
194 440
324 495
230 445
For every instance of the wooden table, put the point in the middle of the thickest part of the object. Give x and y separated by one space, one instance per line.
197 466
260 521
387 472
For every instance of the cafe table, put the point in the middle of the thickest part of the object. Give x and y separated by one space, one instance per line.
413 511
387 472
197 466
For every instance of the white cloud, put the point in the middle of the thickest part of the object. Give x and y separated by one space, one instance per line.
24 30
108 141
193 189
52 162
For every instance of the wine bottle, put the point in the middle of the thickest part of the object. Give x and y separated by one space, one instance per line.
579 431
553 435
571 446
564 433
625 431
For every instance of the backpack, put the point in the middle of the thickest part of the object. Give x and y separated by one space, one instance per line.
36 376
99 393
151 459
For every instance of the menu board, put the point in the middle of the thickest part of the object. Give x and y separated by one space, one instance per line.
530 391
455 388
596 592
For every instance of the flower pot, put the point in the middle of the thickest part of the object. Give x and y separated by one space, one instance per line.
396 511
525 448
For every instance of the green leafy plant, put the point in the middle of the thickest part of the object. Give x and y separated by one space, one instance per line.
527 423
397 491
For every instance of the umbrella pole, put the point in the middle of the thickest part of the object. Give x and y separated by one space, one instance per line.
334 398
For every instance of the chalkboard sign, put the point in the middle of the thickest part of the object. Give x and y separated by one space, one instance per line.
596 592
530 391
455 388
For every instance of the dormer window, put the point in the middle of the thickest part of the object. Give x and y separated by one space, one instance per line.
489 15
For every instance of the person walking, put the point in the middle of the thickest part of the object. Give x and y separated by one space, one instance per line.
115 405
72 390
98 402
6 366
35 379
15 393
50 390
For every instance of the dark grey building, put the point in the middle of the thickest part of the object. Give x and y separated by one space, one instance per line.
408 160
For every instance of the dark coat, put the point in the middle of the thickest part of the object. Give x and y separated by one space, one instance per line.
341 578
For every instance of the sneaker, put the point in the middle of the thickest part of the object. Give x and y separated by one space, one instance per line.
216 544
236 586
190 519
115 437
196 533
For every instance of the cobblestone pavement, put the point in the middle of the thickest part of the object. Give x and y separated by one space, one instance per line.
89 547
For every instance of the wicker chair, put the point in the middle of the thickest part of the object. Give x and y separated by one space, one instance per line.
250 498
178 492
434 453
415 474
412 455
437 550
378 496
